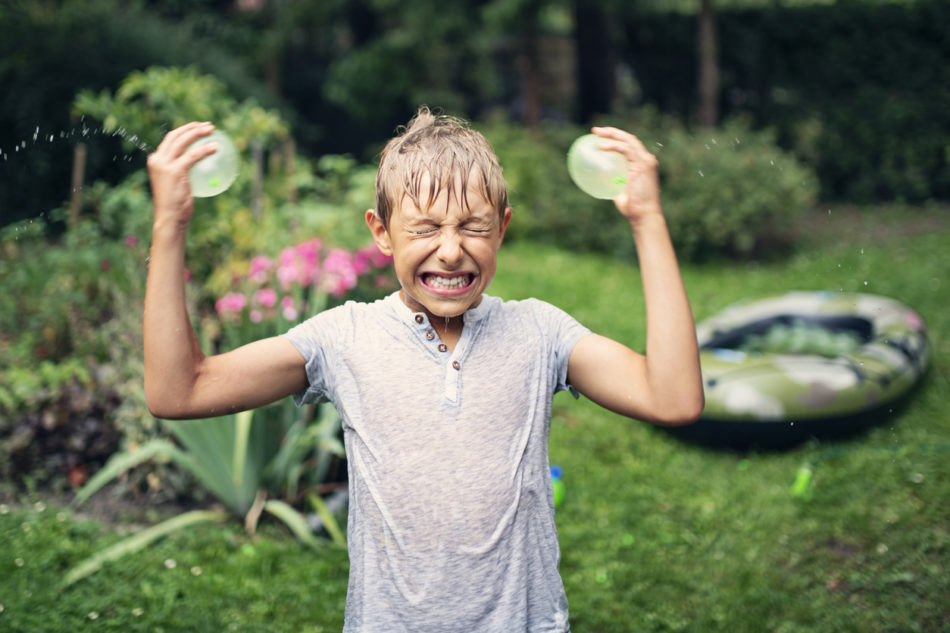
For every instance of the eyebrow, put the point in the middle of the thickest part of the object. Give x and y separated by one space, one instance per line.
481 211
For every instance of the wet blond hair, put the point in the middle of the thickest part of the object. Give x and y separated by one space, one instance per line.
446 150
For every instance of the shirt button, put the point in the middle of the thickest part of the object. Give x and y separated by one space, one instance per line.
430 335
456 364
419 318
443 347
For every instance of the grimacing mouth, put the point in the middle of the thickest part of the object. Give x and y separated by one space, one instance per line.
448 282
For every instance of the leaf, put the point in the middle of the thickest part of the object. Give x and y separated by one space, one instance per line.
211 443
293 520
139 541
242 429
121 462
329 521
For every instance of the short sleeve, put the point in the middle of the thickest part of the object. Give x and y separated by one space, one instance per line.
316 339
562 332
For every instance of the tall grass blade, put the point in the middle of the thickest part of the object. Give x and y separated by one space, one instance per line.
329 521
242 429
121 462
139 541
211 442
294 520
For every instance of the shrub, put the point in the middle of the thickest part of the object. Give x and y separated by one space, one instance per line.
731 191
727 192
548 207
61 369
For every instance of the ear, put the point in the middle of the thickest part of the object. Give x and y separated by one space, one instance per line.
379 231
505 221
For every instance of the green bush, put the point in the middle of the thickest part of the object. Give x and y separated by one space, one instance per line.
727 192
62 367
731 191
548 206
858 89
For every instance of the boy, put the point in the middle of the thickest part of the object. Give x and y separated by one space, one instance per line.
444 392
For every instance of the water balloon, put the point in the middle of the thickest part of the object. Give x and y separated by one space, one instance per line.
215 173
598 173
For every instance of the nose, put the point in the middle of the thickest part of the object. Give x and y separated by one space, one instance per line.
450 248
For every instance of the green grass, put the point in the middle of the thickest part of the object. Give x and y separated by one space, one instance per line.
656 534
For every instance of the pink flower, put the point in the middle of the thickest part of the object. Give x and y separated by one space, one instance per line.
288 309
231 304
339 273
299 264
131 241
379 259
260 269
266 297
362 261
256 316
309 251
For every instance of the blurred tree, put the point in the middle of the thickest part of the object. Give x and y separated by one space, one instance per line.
50 50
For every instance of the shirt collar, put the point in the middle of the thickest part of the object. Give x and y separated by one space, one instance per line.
472 315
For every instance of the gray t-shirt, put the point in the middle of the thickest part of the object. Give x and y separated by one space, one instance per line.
451 518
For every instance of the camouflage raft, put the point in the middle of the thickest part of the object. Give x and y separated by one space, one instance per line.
782 369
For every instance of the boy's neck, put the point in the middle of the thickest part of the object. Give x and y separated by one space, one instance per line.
449 329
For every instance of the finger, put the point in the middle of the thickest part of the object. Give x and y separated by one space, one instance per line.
179 139
624 143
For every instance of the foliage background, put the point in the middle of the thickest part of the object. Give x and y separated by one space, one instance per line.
858 90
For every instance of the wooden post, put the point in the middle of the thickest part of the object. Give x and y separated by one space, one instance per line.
708 66
75 194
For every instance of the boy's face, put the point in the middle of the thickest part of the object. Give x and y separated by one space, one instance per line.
445 254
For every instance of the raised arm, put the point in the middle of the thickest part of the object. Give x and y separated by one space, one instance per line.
180 381
664 386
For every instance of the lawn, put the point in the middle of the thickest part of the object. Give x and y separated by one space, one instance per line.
656 534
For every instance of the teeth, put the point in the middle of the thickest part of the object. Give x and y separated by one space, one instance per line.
447 283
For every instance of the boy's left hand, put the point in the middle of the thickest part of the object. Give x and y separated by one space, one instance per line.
642 197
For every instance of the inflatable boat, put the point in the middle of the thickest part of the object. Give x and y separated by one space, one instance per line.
782 369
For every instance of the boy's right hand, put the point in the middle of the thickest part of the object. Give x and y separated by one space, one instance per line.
168 170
